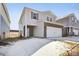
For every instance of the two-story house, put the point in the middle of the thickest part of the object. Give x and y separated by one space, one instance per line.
71 25
39 24
4 21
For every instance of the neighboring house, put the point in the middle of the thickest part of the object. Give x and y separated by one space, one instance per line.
14 33
71 25
4 21
39 24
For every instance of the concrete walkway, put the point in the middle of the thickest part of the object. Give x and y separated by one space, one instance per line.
70 38
55 48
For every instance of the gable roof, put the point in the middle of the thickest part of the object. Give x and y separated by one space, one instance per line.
70 15
49 12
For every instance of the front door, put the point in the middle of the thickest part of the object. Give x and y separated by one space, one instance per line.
30 31
27 32
24 31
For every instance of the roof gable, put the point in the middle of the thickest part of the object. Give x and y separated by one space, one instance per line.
70 15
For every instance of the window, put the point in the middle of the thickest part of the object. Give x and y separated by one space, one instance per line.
47 18
73 20
51 19
34 15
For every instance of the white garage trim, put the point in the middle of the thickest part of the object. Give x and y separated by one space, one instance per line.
53 32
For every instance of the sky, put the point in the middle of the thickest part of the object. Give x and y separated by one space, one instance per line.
59 9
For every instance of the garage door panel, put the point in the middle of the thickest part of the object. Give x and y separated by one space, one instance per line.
54 32
75 31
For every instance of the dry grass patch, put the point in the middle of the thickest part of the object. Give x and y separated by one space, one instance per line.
73 49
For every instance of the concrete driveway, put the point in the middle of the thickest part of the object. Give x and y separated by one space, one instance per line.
24 47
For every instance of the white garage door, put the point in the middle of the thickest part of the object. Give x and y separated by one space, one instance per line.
75 31
54 32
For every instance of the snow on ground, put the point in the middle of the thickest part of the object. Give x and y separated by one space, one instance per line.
54 48
24 47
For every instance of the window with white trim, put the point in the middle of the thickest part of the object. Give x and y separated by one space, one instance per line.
34 15
47 18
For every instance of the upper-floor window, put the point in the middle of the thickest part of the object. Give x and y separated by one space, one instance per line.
34 15
47 18
51 19
73 20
